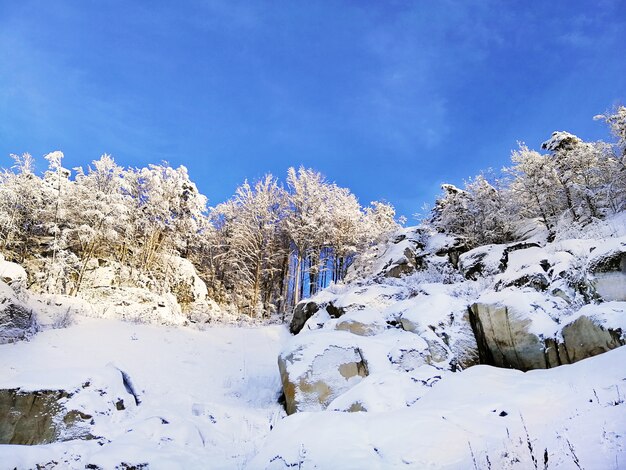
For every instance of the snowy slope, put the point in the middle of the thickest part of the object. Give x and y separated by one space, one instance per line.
208 398
573 413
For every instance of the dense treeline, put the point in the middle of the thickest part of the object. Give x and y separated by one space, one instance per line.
261 251
576 180
273 244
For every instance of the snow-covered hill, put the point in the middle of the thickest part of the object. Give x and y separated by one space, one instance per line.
205 399
393 369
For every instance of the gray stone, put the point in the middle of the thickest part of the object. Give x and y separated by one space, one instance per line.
583 338
609 276
302 312
16 321
503 339
38 417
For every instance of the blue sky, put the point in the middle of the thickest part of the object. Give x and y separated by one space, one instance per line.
390 99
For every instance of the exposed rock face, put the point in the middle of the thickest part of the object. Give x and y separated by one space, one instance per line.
453 250
302 312
506 338
334 311
405 255
442 321
31 418
312 385
408 263
482 261
17 322
583 338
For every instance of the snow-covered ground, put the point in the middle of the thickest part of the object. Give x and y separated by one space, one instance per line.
569 417
207 398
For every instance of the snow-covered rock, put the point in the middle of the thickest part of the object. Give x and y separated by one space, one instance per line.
17 321
11 272
33 415
526 330
367 322
574 413
510 327
135 304
482 261
444 323
302 312
190 291
314 371
595 329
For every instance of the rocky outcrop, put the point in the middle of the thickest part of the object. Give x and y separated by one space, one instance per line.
366 322
404 255
504 339
314 377
38 417
482 261
406 264
584 338
525 340
17 322
33 417
302 312
453 250
442 321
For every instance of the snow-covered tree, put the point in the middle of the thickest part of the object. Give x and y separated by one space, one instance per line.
533 186
616 120
20 205
478 212
253 254
99 210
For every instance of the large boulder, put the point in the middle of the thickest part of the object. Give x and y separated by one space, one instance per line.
17 322
366 322
450 247
443 322
403 255
525 265
519 330
482 261
595 329
317 370
510 327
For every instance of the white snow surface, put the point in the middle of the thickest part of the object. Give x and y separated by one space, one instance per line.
573 412
217 390
11 272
